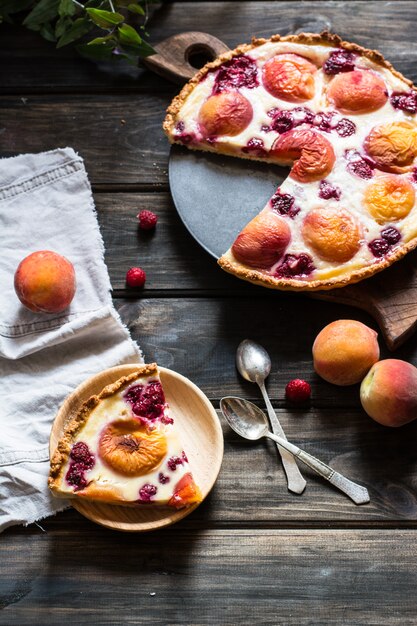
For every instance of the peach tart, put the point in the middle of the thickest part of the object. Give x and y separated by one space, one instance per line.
122 447
344 121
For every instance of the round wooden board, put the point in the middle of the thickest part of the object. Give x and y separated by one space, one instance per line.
201 436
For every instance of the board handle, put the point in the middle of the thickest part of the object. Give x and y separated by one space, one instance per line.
172 58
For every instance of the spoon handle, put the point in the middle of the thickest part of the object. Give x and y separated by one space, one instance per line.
295 481
356 492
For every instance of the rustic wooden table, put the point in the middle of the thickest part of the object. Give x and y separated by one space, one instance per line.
251 553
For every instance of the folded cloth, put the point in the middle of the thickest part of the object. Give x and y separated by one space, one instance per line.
46 204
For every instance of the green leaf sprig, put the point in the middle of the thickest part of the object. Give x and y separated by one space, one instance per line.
67 21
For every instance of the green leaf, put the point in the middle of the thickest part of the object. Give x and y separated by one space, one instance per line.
79 27
62 25
142 50
101 40
105 19
66 7
136 8
43 11
128 35
47 32
97 52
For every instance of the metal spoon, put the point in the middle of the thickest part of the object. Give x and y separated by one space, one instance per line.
254 364
250 422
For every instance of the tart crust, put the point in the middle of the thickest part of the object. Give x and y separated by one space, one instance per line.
227 261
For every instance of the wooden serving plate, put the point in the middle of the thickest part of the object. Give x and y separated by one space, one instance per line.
390 297
200 433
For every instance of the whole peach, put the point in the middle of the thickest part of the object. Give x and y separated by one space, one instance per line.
45 282
389 392
344 351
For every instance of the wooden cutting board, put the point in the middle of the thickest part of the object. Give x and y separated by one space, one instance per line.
390 297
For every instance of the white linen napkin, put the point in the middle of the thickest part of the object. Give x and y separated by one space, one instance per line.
46 204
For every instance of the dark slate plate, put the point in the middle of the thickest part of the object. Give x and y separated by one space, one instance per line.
216 196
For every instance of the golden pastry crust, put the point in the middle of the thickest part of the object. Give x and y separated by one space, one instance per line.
75 424
259 278
227 260
324 38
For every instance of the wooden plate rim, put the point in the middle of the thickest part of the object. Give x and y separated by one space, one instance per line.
172 517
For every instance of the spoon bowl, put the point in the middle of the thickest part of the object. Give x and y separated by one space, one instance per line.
244 417
252 361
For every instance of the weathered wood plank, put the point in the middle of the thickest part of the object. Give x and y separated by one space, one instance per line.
210 577
363 22
120 137
170 256
198 337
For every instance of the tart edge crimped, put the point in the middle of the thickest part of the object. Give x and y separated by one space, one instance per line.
75 424
324 38
288 284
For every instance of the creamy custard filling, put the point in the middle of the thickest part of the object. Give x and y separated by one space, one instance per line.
166 472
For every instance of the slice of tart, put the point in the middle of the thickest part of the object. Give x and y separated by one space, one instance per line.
123 447
344 121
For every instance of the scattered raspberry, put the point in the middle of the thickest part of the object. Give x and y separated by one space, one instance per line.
339 61
283 203
163 479
345 127
135 277
173 462
391 235
147 220
147 492
76 477
328 191
404 101
81 454
298 391
295 265
379 247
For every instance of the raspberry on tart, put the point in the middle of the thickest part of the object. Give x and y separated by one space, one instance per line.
119 448
344 121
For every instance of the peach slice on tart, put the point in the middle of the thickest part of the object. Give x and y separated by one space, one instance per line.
312 154
389 198
359 91
263 241
332 233
289 77
127 447
227 113
123 447
393 146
